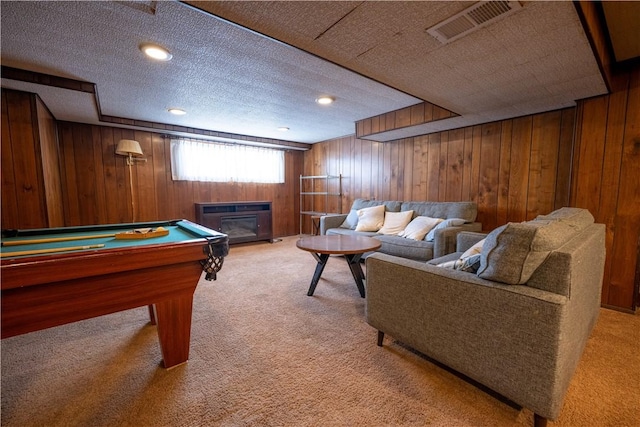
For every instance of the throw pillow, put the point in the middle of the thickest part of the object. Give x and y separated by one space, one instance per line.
473 250
469 261
451 222
395 222
512 252
449 264
419 227
370 219
469 264
351 220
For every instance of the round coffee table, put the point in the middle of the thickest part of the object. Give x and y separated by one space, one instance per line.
352 247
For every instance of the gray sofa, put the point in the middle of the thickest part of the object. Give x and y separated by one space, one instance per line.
519 324
444 240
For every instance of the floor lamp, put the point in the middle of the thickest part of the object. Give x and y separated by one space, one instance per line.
131 149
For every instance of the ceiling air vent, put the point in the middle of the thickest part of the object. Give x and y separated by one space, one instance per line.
472 18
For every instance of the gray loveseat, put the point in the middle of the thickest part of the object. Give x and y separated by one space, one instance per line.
444 239
519 324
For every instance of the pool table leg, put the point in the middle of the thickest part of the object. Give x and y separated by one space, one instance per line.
174 329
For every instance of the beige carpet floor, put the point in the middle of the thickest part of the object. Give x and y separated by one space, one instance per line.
263 353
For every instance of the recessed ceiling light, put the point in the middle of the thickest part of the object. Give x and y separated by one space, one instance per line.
156 52
325 100
283 129
177 111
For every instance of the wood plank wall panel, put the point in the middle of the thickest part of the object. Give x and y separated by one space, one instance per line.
489 166
418 114
48 137
96 182
9 194
628 209
605 179
592 17
504 170
543 165
519 168
23 193
565 155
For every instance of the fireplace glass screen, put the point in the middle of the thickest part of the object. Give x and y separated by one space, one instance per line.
240 226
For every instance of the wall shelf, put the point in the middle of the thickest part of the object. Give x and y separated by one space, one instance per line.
316 191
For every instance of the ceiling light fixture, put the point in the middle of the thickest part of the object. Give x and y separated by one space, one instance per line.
283 129
325 100
177 111
156 52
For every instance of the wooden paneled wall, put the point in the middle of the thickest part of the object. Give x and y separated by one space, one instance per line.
96 182
514 169
606 179
31 192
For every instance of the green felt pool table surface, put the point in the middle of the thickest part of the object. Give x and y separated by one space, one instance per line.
178 231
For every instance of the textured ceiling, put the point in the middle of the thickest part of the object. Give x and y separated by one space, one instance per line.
228 79
231 79
537 59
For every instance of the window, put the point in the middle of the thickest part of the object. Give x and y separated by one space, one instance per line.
212 161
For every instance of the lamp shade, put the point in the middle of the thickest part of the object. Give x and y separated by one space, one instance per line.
128 146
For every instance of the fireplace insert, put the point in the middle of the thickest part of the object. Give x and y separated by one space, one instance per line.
241 221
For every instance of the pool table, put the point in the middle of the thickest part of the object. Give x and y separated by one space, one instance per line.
105 274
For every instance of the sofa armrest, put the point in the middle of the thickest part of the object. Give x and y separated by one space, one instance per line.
466 239
331 221
445 240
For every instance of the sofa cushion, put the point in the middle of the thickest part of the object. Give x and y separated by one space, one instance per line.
406 248
347 232
419 227
390 206
395 222
465 210
351 220
371 218
452 222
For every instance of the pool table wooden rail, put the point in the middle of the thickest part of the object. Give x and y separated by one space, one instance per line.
28 271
